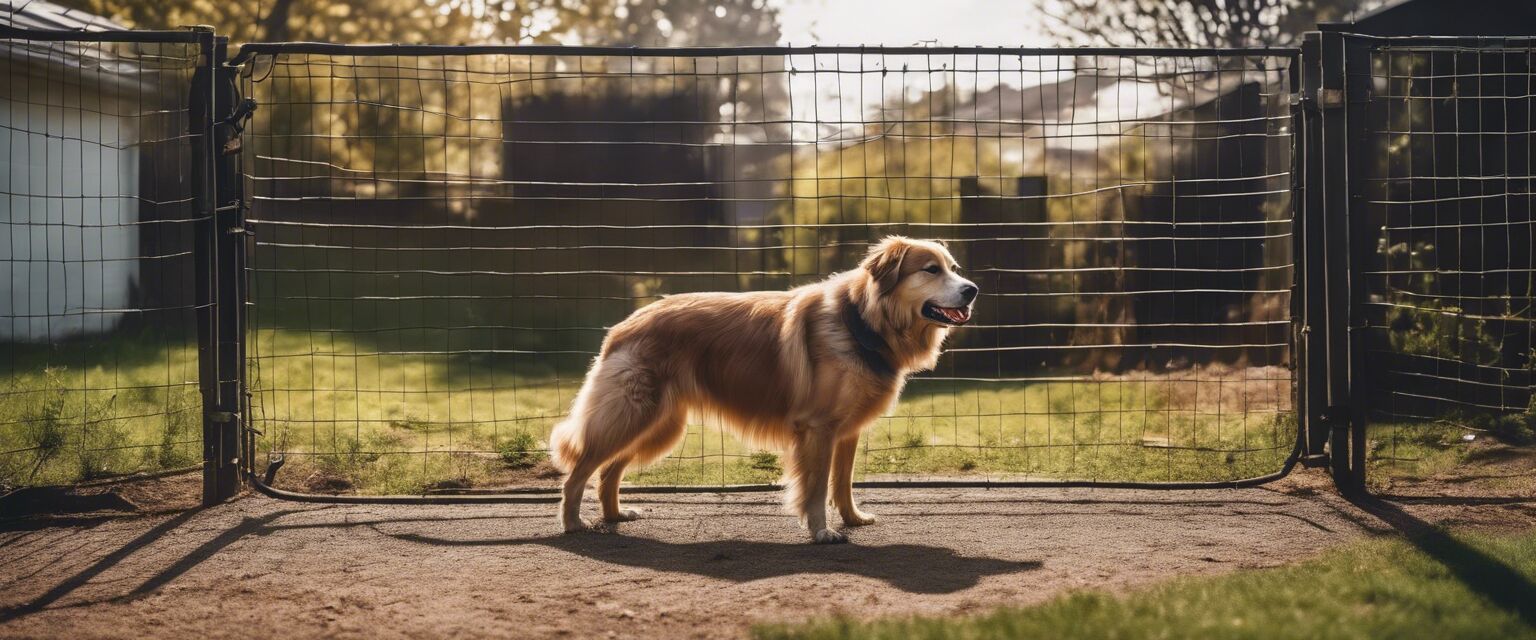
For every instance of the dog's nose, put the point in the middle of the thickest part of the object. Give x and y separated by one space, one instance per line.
969 292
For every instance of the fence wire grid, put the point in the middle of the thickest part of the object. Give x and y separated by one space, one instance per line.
442 237
1448 313
97 319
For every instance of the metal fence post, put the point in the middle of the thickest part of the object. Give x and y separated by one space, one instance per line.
234 234
1361 247
1335 78
218 253
1311 339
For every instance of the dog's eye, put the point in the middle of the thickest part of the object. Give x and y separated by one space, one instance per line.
932 269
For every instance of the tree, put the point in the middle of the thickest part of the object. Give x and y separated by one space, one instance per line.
604 22
1194 23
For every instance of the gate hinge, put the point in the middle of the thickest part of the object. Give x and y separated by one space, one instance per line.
222 416
234 126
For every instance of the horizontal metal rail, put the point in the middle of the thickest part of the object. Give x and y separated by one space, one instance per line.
188 35
250 50
549 495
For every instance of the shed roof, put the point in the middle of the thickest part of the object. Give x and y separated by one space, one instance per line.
1449 18
40 14
104 66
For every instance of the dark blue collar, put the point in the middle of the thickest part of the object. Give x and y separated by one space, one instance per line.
867 343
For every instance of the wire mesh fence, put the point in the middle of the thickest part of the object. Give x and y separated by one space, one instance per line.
97 318
442 236
1450 288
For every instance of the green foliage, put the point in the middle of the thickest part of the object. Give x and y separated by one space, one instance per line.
765 461
1437 586
180 434
59 434
1511 428
615 22
520 451
106 444
120 405
41 423
1514 428
1442 332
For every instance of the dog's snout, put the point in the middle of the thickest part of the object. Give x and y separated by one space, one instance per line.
968 292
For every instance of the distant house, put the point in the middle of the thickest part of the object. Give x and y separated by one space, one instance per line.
1154 147
70 177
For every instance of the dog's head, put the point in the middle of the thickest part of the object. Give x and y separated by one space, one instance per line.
922 277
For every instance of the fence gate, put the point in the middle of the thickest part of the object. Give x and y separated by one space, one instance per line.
443 234
1425 158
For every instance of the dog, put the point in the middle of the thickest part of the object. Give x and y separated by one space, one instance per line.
804 371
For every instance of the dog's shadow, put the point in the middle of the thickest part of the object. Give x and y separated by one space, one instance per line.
911 568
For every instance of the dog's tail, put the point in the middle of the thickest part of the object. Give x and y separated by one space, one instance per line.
565 442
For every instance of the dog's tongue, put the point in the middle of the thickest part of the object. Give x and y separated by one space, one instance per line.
956 315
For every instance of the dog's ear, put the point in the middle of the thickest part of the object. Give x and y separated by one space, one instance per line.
884 262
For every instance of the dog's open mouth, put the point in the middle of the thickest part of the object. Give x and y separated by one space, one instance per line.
954 316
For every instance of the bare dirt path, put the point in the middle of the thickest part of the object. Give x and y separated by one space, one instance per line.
697 566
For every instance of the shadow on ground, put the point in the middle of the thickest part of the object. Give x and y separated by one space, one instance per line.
740 561
736 561
1491 578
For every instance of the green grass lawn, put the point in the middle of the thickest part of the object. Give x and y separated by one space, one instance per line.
335 413
1462 454
1436 586
412 420
1413 451
85 410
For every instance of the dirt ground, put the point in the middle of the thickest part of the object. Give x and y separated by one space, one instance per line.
142 562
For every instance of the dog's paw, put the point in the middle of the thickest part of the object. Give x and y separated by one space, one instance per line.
859 518
573 526
829 536
624 515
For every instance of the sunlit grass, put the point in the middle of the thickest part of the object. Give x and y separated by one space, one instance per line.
315 400
348 417
1437 586
88 410
1406 451
1456 453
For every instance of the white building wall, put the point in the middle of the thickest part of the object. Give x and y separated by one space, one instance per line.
69 244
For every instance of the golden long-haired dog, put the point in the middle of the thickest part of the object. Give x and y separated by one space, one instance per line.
803 370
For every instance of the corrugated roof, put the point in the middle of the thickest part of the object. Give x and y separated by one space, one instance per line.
39 14
132 67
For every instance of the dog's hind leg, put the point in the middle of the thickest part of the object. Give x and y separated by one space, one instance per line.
842 483
613 411
810 465
608 491
659 439
570 499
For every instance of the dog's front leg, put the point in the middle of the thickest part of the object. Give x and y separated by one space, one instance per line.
812 468
842 483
